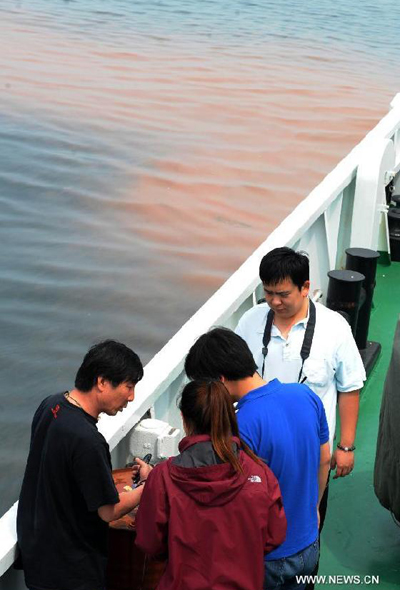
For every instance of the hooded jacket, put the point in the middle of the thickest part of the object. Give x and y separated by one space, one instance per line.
214 524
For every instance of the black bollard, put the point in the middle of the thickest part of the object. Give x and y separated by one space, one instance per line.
364 261
344 293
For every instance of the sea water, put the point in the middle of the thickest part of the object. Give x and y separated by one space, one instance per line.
146 148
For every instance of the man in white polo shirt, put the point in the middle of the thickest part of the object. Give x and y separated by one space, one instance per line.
294 340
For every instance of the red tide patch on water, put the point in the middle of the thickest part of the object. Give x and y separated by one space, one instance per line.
230 144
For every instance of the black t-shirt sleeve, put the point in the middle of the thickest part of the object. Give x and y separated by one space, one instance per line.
92 470
37 418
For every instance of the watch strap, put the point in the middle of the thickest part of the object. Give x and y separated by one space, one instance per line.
346 449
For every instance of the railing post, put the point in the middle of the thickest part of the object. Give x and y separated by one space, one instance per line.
369 228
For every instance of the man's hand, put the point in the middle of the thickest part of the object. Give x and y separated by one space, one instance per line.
343 462
127 500
143 468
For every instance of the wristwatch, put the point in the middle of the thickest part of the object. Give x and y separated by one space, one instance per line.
346 449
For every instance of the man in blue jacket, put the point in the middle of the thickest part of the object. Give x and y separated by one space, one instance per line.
285 425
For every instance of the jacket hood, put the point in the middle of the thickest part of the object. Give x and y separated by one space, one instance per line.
212 485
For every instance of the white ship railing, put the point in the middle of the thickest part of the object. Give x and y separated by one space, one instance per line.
348 208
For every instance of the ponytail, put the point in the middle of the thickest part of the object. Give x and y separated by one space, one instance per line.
207 407
222 416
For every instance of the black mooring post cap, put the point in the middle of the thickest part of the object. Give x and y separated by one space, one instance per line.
362 253
347 276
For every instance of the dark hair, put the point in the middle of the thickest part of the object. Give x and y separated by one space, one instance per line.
282 264
207 408
220 353
109 359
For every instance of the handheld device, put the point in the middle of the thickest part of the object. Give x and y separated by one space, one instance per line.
136 478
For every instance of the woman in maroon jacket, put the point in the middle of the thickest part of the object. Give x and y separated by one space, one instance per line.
215 509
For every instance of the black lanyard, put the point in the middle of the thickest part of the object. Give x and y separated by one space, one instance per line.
307 342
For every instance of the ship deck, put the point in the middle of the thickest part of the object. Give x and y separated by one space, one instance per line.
360 537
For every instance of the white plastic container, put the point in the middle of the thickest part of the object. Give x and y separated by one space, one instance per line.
156 437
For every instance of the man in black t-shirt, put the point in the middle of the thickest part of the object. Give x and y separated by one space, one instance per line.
68 495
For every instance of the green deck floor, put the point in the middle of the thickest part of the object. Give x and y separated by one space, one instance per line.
360 537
